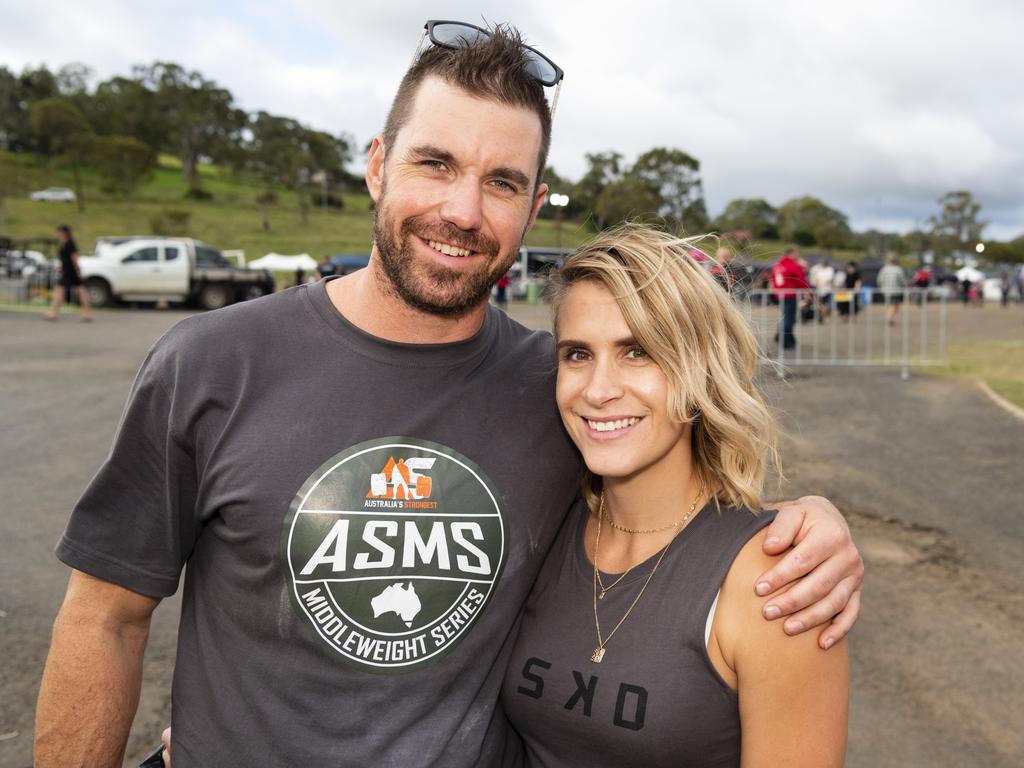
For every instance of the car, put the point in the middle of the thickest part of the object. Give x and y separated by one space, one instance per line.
53 195
345 264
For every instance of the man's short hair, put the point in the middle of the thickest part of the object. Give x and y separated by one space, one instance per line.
493 68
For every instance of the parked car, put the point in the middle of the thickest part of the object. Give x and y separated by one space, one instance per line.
346 263
53 195
532 268
168 269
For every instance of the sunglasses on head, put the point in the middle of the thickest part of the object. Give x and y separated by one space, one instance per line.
459 34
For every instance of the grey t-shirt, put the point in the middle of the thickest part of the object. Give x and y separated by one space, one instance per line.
361 521
655 699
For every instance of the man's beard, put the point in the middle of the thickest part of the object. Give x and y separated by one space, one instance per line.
431 287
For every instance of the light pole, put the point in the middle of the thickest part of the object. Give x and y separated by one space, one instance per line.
559 201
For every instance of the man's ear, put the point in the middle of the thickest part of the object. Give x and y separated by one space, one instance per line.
538 201
375 168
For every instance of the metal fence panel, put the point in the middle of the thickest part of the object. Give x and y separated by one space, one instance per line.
850 328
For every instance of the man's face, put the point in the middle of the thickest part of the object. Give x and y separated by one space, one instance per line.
454 197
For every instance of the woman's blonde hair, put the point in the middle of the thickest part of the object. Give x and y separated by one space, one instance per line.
695 332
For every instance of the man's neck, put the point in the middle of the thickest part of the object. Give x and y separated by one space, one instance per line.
368 304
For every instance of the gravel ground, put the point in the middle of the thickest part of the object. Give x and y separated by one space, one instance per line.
926 471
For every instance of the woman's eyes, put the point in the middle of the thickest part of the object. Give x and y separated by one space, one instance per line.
577 355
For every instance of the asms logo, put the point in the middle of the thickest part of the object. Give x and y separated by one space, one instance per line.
392 550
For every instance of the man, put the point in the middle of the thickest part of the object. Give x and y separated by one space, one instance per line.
823 275
357 564
892 283
787 280
70 278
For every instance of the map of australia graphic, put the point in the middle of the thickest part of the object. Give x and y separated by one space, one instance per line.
399 600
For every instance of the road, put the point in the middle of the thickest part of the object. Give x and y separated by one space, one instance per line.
927 472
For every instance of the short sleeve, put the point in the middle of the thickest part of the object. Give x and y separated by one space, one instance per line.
135 525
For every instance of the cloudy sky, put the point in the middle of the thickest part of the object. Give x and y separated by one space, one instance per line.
876 106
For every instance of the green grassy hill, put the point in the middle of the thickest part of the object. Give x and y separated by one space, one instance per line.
230 220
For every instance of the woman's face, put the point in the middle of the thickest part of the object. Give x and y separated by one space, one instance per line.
612 397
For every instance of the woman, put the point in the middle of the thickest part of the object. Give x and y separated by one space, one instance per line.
70 278
642 643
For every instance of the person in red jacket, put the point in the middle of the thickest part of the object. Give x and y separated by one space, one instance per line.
787 279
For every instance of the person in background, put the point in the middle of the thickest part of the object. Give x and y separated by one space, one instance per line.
823 276
848 300
501 291
892 283
788 280
721 268
70 277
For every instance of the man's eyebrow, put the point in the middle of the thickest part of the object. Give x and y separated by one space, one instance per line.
512 174
430 152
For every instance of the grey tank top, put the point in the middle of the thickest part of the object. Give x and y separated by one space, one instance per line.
655 699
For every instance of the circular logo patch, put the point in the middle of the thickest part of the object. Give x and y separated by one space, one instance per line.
392 550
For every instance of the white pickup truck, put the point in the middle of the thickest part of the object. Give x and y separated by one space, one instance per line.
168 269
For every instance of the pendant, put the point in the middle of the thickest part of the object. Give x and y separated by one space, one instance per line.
601 596
598 655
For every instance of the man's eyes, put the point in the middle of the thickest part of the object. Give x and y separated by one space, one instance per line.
503 185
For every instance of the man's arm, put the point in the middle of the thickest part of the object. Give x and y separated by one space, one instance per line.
90 687
824 570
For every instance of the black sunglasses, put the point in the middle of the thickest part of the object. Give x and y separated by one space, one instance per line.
459 34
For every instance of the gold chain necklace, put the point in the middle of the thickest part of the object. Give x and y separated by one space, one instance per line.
676 524
598 655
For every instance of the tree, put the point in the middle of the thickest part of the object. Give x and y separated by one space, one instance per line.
123 161
14 125
753 215
61 129
603 168
627 198
125 107
286 153
201 118
674 177
808 221
956 228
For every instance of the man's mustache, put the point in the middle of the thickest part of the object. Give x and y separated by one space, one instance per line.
445 232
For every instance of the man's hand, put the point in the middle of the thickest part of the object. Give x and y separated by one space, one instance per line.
823 569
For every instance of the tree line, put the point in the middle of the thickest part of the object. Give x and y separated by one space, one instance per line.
121 125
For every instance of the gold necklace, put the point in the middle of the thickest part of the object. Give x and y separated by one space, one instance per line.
600 583
598 655
676 524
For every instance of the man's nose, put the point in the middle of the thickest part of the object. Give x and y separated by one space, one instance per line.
462 205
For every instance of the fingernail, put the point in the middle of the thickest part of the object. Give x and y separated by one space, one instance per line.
795 626
772 612
763 588
771 541
828 643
